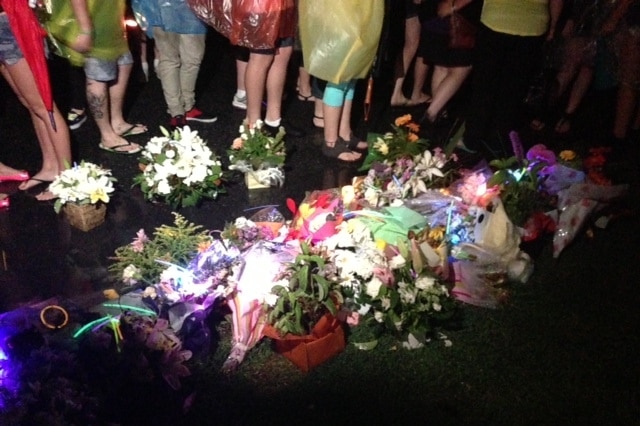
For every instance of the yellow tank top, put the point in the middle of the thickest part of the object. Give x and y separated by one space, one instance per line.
516 17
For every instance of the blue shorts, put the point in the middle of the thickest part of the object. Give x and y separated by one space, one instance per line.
104 70
281 42
10 52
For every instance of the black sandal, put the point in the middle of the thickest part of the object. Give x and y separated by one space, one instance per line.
353 143
337 150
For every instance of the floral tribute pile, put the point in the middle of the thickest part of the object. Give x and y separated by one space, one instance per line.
396 252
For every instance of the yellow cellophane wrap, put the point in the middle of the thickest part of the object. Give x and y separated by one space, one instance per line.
340 38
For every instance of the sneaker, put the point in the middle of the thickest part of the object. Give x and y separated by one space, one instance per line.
177 121
194 114
239 102
76 119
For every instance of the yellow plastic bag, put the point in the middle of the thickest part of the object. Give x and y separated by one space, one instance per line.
340 38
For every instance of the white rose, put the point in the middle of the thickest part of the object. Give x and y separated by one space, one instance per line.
373 287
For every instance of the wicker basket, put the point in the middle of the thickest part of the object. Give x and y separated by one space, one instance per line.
85 216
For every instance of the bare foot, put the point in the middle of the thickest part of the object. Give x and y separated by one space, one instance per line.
422 99
46 195
399 101
126 129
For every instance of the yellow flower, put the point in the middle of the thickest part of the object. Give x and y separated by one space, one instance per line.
412 137
99 195
381 147
567 155
401 121
437 233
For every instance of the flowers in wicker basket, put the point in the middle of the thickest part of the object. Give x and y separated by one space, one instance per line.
180 169
254 151
84 183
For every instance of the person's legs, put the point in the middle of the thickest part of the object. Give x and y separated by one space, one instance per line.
627 97
255 82
100 74
304 85
446 85
276 77
191 52
411 39
168 70
54 143
420 71
578 91
333 101
117 92
242 58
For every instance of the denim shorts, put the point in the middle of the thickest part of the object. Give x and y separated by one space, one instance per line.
10 52
104 70
281 42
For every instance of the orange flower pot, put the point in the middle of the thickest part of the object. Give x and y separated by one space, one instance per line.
306 352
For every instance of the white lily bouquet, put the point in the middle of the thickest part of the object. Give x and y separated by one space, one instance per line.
256 153
84 183
180 169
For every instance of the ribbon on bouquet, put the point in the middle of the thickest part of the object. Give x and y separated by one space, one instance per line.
271 176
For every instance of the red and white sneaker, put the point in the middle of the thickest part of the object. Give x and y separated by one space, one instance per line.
194 114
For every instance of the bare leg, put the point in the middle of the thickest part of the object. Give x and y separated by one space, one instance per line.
54 143
241 71
420 71
7 171
411 39
318 114
98 101
446 88
255 82
276 77
627 99
304 85
578 91
117 93
344 130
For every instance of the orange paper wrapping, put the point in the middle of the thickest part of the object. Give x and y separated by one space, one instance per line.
306 352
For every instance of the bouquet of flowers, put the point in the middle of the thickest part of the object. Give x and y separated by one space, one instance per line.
180 169
412 299
84 183
405 176
403 142
138 262
254 151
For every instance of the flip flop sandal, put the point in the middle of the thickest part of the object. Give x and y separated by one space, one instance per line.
135 129
338 149
563 126
116 149
304 98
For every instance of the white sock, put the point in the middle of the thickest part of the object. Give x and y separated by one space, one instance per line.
241 93
274 123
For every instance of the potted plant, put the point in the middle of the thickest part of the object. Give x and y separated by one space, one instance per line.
302 321
259 156
82 192
180 169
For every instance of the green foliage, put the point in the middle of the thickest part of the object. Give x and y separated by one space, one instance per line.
254 147
176 244
312 291
520 187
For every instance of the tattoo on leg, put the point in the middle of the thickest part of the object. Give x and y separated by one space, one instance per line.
96 105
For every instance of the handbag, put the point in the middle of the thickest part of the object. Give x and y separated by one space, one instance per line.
462 33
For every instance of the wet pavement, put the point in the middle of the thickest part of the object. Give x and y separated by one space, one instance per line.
42 256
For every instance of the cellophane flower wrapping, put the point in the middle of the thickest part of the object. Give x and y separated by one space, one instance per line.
318 215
